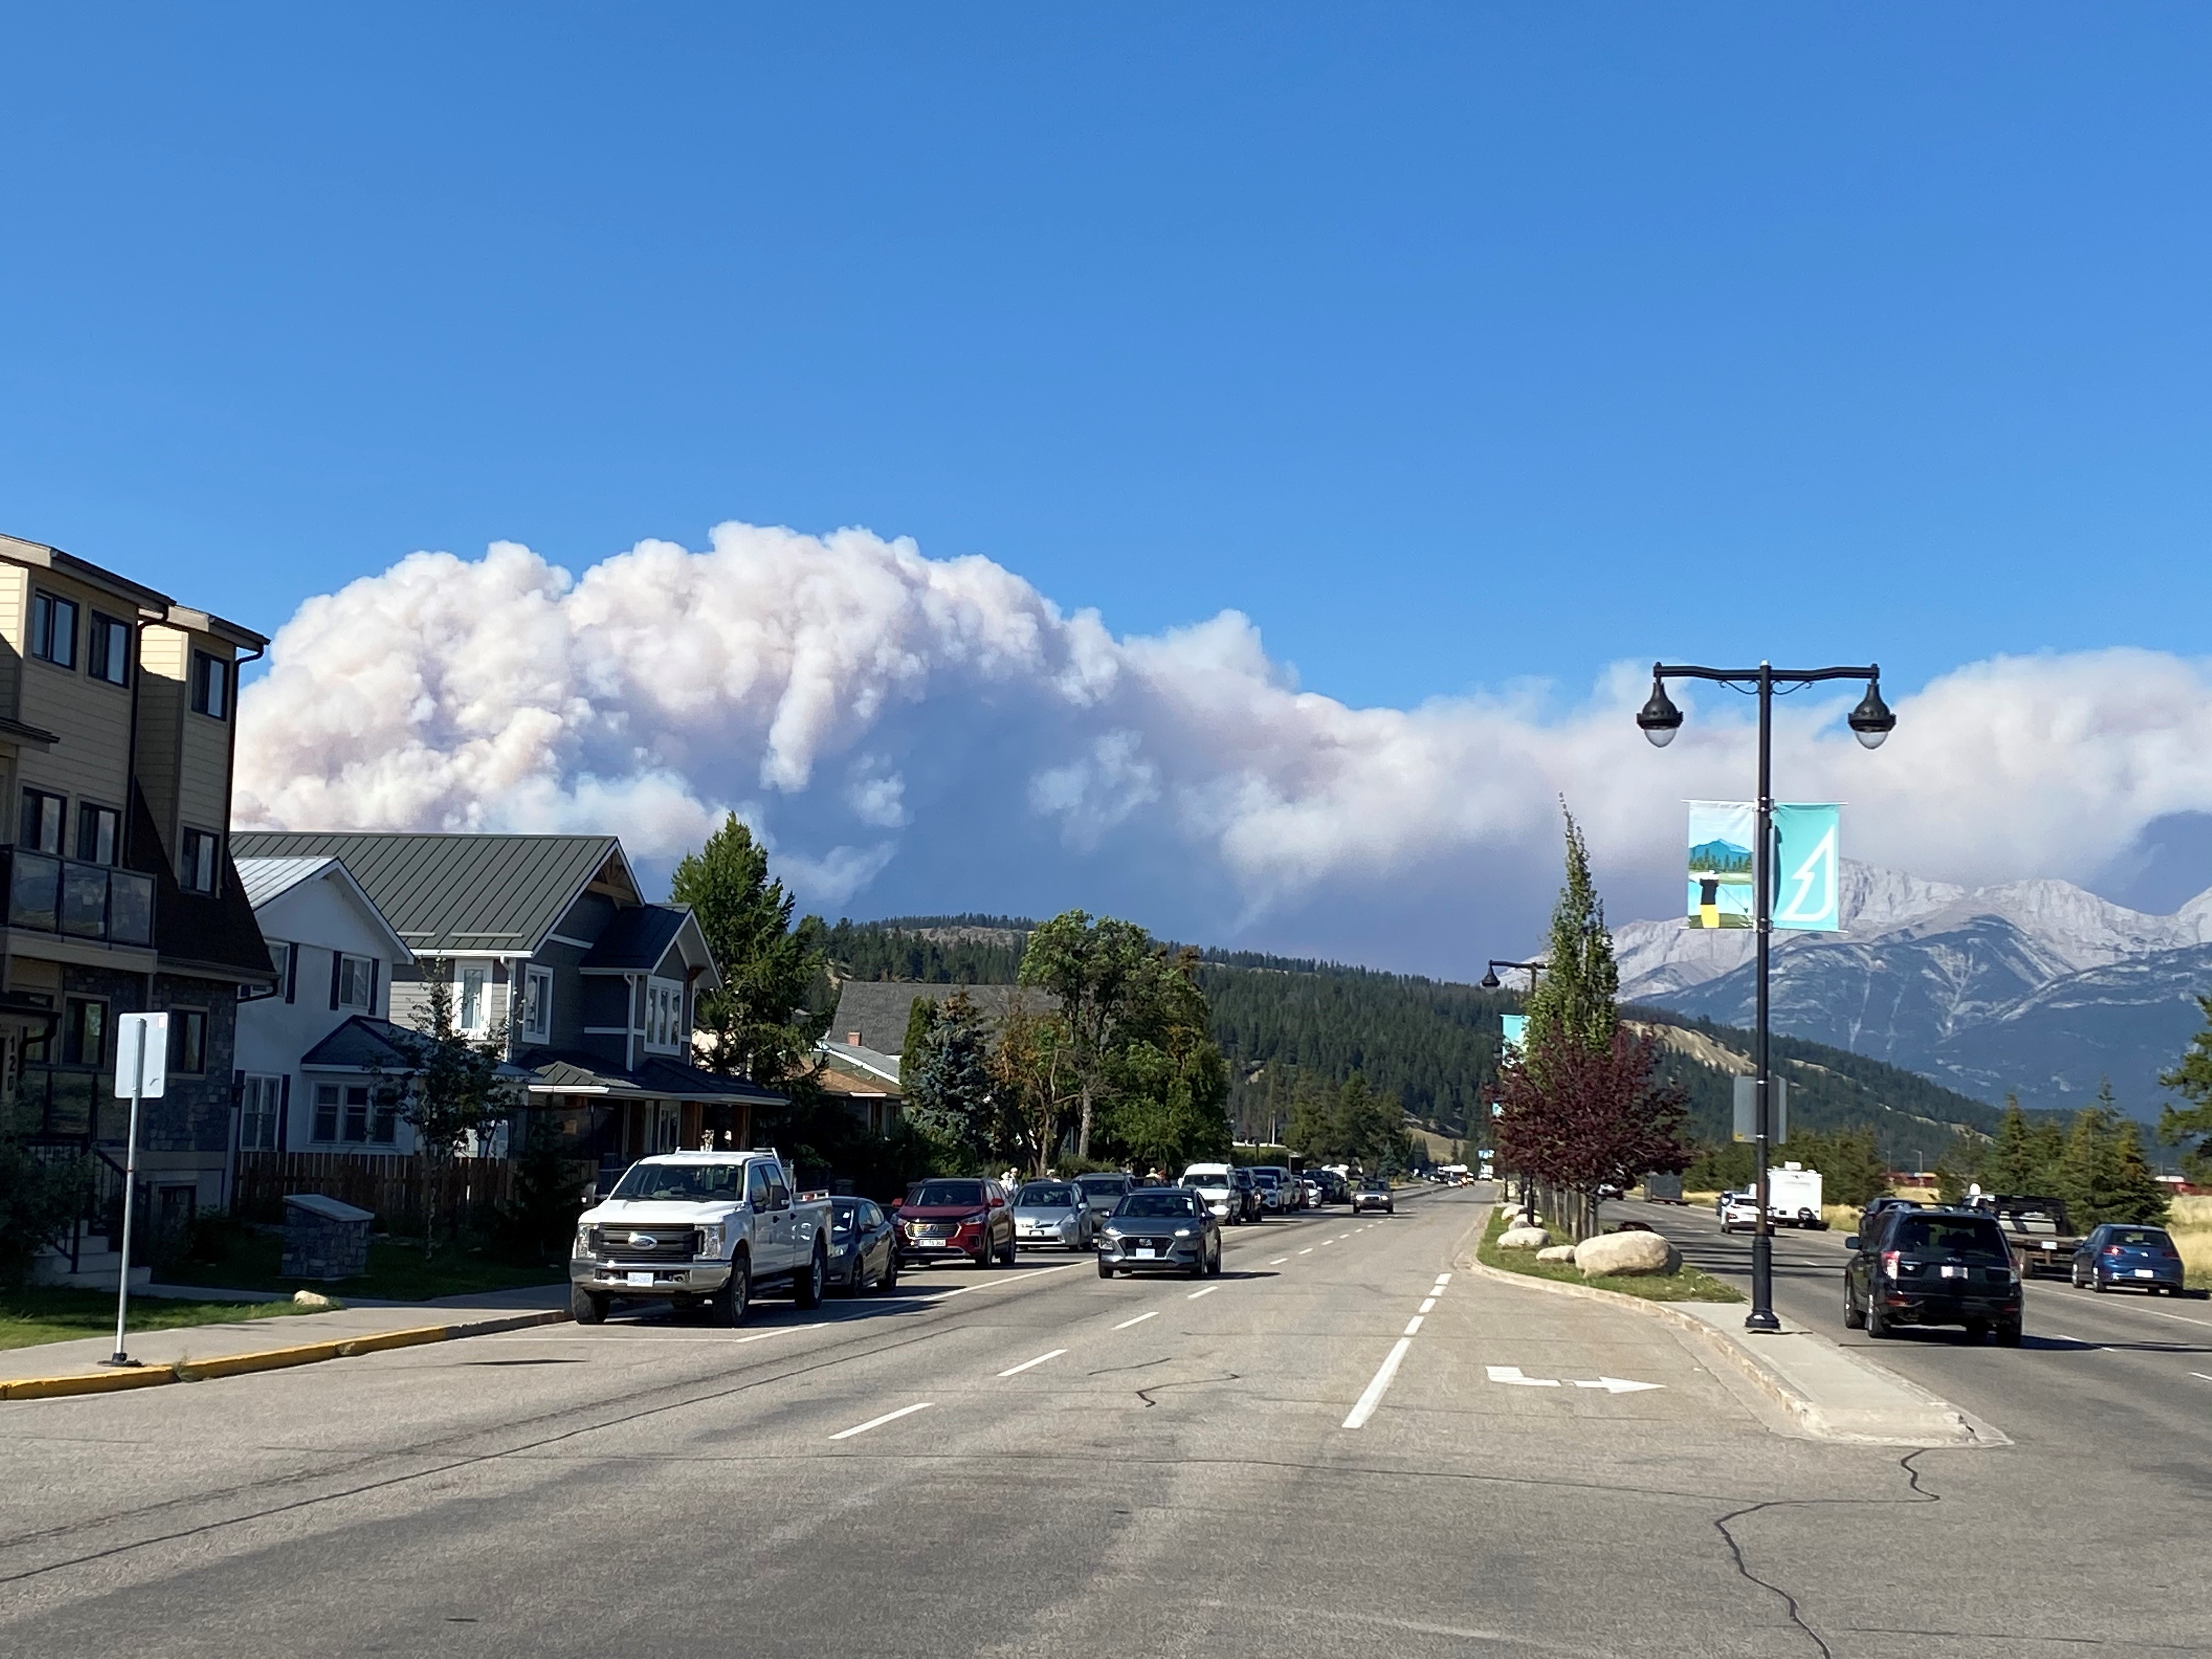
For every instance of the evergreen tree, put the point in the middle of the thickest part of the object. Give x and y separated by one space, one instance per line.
760 1024
2102 1175
1575 1000
2190 1128
945 1075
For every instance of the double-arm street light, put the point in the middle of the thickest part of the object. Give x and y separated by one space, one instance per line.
1870 723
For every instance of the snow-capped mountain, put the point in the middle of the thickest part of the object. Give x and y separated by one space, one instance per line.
2035 987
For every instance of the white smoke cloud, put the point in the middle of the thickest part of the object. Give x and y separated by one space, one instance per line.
912 733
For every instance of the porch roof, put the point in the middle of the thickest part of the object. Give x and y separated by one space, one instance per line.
560 1071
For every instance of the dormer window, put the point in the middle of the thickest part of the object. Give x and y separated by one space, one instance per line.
663 1014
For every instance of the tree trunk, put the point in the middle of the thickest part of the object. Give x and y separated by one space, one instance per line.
1083 1135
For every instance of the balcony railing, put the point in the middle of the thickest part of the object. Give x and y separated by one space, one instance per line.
48 895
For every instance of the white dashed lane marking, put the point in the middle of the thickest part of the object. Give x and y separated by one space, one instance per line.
878 1422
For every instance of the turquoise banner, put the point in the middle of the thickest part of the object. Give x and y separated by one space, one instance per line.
1515 1024
1808 868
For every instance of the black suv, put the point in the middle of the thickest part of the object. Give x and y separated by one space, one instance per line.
1932 1267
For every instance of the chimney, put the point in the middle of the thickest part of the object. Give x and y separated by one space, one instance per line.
852 1039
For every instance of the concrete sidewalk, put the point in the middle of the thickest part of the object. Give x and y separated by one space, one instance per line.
246 1345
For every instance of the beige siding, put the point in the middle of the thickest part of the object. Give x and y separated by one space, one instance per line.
91 718
14 601
162 656
204 780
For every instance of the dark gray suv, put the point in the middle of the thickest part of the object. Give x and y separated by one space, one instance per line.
1160 1230
1933 1267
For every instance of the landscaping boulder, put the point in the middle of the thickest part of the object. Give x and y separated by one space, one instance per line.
1556 1253
1524 1238
1626 1253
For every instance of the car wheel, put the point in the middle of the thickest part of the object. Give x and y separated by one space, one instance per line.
587 1307
1877 1321
806 1290
1011 1247
984 1256
890 1280
727 1305
1105 1269
2096 1283
1213 1262
1853 1319
2076 1276
2007 1334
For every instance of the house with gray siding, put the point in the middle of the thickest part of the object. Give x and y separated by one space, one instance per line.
550 947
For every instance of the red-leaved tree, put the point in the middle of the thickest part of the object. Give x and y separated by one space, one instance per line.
1596 1115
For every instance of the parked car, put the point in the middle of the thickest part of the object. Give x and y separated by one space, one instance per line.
1054 1213
956 1216
1216 1183
693 1228
1160 1230
1273 1184
1373 1193
1103 1192
2126 1254
863 1246
1608 1190
1334 1190
1933 1266
1314 1193
1255 1207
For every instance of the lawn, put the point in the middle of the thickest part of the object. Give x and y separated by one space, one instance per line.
42 1312
245 1261
1688 1285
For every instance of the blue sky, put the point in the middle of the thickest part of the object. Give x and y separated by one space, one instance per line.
1456 346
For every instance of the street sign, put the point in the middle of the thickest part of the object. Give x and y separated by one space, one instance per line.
141 1037
1747 1109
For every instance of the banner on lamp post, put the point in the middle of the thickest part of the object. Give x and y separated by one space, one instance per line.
1515 1025
1807 869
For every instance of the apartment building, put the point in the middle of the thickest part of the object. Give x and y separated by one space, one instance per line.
118 738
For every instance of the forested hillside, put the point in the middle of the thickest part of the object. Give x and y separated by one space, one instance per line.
1285 1022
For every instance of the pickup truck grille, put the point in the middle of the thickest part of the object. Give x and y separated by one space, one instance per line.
669 1243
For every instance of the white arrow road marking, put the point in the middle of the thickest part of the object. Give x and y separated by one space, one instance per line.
1380 1386
1015 1371
1512 1374
878 1422
1616 1385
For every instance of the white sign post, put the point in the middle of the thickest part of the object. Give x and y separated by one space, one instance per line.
142 1072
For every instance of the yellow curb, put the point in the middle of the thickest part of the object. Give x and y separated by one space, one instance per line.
268 1359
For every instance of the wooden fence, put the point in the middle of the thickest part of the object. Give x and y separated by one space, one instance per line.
393 1188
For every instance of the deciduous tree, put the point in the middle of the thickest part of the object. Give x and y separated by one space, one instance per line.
452 1094
1095 969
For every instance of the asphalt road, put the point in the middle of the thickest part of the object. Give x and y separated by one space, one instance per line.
1346 1443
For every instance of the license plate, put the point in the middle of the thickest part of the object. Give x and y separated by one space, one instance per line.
637 1279
1146 1250
2145 1273
1948 1272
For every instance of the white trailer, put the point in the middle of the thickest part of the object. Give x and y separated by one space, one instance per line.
1793 1197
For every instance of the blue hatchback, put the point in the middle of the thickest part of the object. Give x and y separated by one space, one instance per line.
2122 1253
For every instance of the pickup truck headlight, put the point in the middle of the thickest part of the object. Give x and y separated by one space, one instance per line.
583 1245
710 1239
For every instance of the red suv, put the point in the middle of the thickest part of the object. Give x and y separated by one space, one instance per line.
955 1216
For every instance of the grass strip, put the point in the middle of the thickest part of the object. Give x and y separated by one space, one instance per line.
1688 1284
39 1313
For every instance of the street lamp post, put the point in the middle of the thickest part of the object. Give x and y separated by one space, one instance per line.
1489 982
1870 723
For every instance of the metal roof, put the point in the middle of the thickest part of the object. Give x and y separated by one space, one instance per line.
445 893
266 879
878 1009
636 939
566 1072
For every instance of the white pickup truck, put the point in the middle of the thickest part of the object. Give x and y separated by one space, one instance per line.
691 1228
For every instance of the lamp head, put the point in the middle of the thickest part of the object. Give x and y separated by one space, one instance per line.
1659 717
1489 980
1871 722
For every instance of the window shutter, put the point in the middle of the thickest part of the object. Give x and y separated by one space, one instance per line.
237 1090
284 1112
375 972
337 962
291 972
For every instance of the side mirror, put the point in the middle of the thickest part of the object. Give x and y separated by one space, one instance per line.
998 1203
1852 1242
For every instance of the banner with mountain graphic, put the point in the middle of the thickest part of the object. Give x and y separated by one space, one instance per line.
1807 869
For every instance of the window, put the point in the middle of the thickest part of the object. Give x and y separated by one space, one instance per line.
41 831
98 829
107 650
326 1111
472 1003
196 862
663 1014
538 1003
35 1045
53 629
188 1040
211 686
84 1031
261 1104
357 982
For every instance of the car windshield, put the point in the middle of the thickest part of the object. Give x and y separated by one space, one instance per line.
1102 1186
1196 1176
1265 1177
684 1183
928 1194
1374 1186
1158 1205
2141 1237
1950 1236
1047 1195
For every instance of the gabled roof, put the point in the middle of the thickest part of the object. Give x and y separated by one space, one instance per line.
867 1063
563 1071
365 1044
878 1009
636 940
267 880
446 893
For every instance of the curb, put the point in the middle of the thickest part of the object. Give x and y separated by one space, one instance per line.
188 1370
1959 1430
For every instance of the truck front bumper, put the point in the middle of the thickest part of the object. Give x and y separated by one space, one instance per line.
641 1280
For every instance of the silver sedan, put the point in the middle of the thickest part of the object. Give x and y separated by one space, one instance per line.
1048 1213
